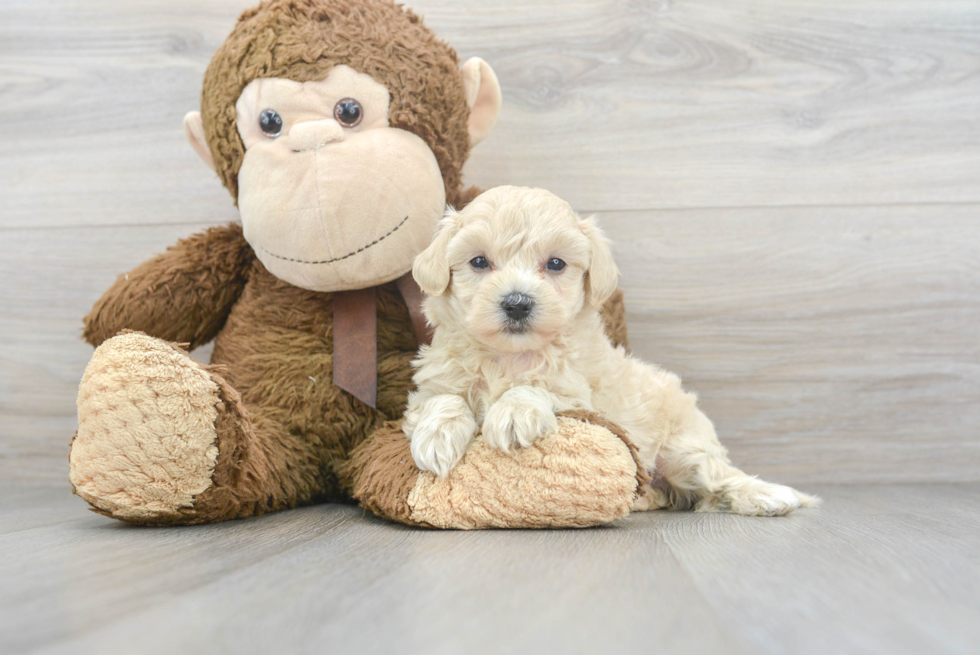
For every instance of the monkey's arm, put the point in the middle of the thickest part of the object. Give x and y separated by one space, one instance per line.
183 295
614 315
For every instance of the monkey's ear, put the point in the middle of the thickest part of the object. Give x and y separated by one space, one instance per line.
431 266
603 276
194 131
482 95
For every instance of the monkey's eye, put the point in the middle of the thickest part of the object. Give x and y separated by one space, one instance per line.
348 112
555 264
270 123
480 263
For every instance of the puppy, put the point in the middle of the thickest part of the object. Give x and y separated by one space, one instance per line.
515 283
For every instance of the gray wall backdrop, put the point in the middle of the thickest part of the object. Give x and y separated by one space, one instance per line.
793 187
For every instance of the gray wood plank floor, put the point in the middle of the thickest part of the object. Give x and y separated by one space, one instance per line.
878 569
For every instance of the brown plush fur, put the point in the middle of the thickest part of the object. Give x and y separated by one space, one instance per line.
614 315
284 430
302 40
382 475
283 426
597 419
182 296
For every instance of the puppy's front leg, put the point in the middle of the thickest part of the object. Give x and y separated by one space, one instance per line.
440 429
519 417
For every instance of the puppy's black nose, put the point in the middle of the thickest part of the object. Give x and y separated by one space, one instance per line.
517 306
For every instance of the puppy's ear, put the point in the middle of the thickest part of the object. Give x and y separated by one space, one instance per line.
431 267
603 276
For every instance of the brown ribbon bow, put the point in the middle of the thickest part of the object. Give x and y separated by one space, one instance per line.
355 336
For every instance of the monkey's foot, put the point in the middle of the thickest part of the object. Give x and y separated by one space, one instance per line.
146 444
585 473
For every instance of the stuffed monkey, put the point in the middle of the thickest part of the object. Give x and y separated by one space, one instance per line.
340 128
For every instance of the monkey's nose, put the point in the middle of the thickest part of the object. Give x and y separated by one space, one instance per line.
517 306
313 134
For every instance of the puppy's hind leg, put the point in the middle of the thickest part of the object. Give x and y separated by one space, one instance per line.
696 467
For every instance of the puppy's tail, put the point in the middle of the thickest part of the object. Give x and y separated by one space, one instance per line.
807 500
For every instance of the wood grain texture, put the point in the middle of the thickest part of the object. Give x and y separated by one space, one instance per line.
612 105
880 569
792 187
827 344
51 280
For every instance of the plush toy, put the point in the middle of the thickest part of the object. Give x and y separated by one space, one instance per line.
341 129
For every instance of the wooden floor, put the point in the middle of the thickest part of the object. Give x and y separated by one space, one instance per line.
888 569
793 189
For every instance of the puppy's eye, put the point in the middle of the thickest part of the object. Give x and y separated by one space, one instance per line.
555 264
348 112
270 122
480 263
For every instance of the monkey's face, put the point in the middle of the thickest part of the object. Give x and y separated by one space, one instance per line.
331 196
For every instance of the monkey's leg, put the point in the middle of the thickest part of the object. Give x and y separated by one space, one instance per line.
163 440
584 473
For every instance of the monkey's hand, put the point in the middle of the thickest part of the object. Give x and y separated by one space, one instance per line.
183 295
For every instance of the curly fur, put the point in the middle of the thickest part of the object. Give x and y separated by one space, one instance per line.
508 378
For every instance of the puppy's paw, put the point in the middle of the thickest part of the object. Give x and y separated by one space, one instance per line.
518 418
442 434
760 498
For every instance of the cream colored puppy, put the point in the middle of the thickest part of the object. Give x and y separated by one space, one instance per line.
515 283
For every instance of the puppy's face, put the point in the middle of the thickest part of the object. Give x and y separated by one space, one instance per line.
514 268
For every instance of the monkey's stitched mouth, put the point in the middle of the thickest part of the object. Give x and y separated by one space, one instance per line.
337 259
